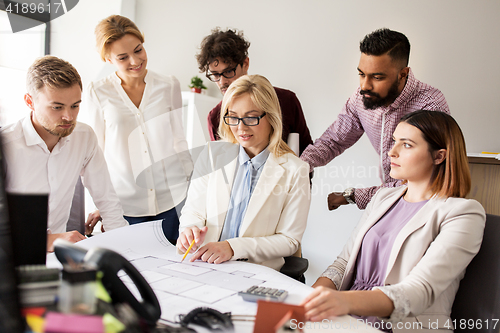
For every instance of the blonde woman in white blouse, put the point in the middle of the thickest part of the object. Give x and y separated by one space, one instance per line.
136 115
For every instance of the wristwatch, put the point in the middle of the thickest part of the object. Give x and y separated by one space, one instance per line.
349 195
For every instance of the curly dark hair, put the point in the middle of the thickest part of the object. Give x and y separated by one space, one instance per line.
229 46
383 41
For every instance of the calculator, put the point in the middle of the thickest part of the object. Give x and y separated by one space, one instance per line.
254 293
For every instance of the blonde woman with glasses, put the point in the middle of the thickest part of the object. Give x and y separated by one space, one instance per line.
249 197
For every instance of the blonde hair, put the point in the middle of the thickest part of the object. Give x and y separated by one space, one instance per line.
51 72
111 29
264 97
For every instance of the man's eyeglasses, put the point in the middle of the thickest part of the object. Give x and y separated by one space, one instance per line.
228 74
248 121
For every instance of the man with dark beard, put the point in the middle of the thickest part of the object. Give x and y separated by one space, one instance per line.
388 90
48 151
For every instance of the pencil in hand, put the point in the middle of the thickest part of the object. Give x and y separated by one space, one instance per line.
189 249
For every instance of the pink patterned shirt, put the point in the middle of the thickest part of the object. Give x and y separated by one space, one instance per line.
379 124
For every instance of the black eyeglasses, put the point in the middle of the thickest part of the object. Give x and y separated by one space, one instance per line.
248 121
228 74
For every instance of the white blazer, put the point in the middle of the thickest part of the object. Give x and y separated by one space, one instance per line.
276 216
428 258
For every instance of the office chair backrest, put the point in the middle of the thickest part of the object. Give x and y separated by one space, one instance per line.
477 304
295 267
77 213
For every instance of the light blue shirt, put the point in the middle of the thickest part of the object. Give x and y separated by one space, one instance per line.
240 194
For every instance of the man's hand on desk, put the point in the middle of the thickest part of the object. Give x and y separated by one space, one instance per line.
187 236
93 218
335 200
214 252
71 236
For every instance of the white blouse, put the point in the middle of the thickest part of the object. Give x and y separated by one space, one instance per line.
145 147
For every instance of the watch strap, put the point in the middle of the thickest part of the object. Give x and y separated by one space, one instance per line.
349 195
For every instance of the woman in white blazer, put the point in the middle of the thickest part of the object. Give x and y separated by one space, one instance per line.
257 214
137 117
402 266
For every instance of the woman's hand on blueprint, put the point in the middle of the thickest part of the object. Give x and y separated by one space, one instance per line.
214 252
187 236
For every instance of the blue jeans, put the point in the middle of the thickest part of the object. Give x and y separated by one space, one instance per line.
169 223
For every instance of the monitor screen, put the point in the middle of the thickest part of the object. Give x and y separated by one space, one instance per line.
30 248
10 314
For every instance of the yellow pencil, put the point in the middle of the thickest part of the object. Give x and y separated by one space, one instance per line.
189 249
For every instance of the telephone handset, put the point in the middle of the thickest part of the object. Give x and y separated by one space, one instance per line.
110 263
209 318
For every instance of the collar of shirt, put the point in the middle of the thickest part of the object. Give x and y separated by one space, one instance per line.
117 79
33 138
240 193
257 161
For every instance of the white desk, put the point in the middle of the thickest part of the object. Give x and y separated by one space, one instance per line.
181 287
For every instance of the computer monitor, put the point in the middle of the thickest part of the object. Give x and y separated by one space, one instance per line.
28 225
10 313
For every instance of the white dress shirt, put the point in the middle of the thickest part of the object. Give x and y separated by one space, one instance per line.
31 168
145 147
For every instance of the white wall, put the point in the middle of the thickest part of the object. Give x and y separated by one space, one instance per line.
311 47
73 35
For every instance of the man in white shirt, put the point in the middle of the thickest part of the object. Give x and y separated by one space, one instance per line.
48 151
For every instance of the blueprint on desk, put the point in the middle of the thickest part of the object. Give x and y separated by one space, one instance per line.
181 287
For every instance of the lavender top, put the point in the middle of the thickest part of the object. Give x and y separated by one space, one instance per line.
373 257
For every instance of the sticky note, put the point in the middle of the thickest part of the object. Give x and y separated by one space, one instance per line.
72 323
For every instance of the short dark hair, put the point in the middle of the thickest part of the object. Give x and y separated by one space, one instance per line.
229 46
383 41
452 177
